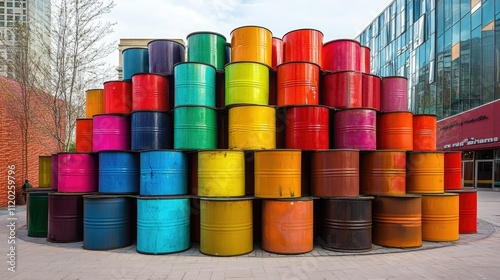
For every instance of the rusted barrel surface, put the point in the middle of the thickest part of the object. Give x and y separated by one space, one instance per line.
277 173
383 172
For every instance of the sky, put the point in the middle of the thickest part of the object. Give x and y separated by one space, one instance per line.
175 19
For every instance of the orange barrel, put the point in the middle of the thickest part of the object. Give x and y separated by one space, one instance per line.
383 172
394 94
277 173
346 225
395 131
94 102
252 127
370 94
149 92
425 172
307 127
226 226
364 60
452 170
440 214
252 43
334 173
84 135
343 89
221 173
117 97
287 225
44 171
298 83
397 221
467 222
277 52
303 45
341 55
424 132
355 129
246 83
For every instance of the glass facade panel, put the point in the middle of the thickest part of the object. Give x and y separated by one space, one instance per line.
497 58
488 75
447 14
475 68
456 14
464 7
476 19
488 12
455 35
440 17
465 28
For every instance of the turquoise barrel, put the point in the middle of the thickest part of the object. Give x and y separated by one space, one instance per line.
135 60
194 84
38 209
107 222
195 128
207 47
163 225
118 172
163 172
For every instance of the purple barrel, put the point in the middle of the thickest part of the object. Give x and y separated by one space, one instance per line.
77 172
355 129
394 94
163 55
54 172
65 217
110 132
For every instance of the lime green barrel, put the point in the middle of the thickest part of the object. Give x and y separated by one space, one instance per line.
207 47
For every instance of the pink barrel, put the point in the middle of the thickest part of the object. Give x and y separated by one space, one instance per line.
341 55
371 91
342 89
364 60
307 127
394 94
355 129
303 45
110 132
150 92
117 97
298 83
277 56
77 172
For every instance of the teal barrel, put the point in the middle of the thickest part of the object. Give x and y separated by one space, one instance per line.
38 208
163 225
163 172
194 84
135 60
207 47
195 128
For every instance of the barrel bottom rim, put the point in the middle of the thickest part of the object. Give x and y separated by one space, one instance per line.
105 249
288 253
54 240
329 248
437 240
399 247
163 253
231 255
37 235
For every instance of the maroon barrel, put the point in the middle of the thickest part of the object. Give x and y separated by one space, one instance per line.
341 55
65 217
54 179
371 91
307 127
343 89
394 94
364 59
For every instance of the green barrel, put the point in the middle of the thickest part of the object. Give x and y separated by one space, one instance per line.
38 214
194 84
207 47
195 128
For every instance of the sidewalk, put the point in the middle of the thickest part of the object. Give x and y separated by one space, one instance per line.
474 256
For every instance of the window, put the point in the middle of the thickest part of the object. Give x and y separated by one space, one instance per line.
9 4
465 28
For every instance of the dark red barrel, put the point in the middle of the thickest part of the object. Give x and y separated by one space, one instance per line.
277 56
343 89
364 60
303 45
273 86
341 55
371 92
394 94
163 55
65 217
117 97
149 92
307 127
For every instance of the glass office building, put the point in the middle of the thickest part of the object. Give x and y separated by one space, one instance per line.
450 52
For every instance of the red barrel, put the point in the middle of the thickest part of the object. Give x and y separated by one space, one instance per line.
364 60
467 222
424 132
298 83
84 135
335 173
453 170
370 94
394 94
341 55
277 56
149 92
117 97
343 89
303 45
307 127
355 129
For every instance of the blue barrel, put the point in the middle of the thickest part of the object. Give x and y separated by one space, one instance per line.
195 128
194 84
107 222
118 172
151 130
163 55
163 173
163 225
135 60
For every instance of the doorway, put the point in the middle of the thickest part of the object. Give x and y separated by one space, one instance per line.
484 173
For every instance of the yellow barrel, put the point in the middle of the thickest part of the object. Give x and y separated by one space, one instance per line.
425 172
246 83
252 43
440 217
44 171
277 173
226 226
94 102
221 173
252 127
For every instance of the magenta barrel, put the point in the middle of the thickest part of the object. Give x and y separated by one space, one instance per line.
110 132
307 127
370 93
77 172
277 52
117 97
163 55
342 89
298 83
341 55
355 129
150 93
394 94
54 172
303 45
364 60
